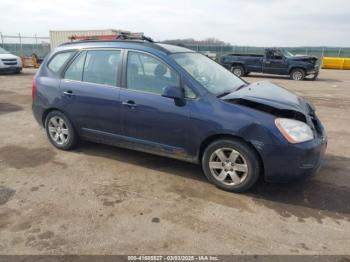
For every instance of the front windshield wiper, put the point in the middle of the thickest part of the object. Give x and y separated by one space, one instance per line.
241 86
229 92
224 93
233 90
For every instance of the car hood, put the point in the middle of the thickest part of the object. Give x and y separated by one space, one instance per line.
271 98
8 56
306 58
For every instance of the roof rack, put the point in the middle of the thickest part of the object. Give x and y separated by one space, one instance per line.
119 36
134 36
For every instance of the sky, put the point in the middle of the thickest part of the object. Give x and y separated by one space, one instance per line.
239 22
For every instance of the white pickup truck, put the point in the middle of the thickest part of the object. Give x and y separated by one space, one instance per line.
9 62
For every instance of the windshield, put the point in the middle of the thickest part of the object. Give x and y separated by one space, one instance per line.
3 51
286 53
212 76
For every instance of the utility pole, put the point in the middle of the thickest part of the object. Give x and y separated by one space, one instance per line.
20 43
2 39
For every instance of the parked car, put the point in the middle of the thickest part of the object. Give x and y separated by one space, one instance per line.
274 61
9 63
171 101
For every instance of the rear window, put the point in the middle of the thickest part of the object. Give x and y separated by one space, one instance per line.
58 61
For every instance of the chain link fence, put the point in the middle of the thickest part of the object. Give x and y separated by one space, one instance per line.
220 50
27 45
22 45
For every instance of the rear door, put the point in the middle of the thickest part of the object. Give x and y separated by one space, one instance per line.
155 123
90 91
275 63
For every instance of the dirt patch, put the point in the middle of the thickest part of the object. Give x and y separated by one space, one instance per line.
5 92
7 217
208 192
9 108
46 241
22 226
22 157
46 235
6 194
112 194
109 203
155 220
34 188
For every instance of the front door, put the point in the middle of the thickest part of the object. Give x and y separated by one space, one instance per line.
153 122
275 63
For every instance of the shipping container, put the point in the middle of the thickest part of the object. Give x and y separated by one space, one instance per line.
60 37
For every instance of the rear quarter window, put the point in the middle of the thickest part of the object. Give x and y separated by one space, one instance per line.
75 69
57 63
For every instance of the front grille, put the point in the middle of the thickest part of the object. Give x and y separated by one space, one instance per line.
9 61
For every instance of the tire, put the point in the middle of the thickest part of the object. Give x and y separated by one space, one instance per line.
297 74
246 159
238 70
66 137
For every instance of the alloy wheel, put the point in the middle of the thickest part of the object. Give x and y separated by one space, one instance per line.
228 166
297 75
237 71
58 130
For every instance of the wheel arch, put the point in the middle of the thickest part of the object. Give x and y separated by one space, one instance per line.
47 111
239 64
296 67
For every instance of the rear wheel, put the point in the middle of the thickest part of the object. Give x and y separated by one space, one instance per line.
231 165
297 74
238 70
60 131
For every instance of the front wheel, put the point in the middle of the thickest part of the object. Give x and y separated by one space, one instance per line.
297 74
60 131
231 165
238 70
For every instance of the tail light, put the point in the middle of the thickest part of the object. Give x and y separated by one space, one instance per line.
33 88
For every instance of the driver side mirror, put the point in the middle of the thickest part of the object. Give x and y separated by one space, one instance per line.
176 93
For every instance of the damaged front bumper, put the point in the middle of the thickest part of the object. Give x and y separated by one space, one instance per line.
314 72
283 163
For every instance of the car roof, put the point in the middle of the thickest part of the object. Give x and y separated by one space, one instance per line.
133 44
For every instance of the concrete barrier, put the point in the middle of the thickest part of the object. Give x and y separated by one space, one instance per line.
336 63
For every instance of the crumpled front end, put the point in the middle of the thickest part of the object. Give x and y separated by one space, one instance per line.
282 160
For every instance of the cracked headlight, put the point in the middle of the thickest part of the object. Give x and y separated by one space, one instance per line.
293 130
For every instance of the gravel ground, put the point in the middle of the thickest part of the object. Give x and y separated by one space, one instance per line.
99 199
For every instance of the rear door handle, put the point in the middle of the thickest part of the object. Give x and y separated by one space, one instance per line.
68 93
129 103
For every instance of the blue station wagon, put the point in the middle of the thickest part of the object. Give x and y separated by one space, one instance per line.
174 102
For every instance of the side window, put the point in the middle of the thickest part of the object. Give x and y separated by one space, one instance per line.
101 67
75 70
277 55
148 74
269 54
59 60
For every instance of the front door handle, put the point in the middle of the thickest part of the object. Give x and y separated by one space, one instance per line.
129 103
68 93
